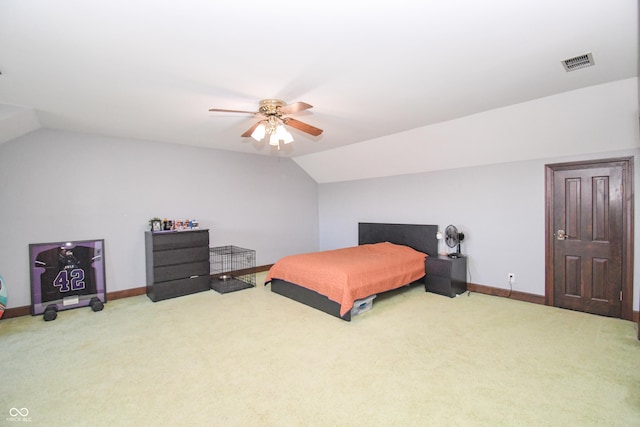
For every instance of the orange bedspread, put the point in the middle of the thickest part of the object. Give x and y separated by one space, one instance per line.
345 275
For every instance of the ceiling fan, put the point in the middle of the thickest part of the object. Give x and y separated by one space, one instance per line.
273 112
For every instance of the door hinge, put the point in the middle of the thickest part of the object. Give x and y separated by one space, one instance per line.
621 296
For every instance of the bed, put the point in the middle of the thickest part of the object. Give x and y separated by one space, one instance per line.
324 285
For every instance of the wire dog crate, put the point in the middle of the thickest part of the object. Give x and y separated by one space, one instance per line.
232 268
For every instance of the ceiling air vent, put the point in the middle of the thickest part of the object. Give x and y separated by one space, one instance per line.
578 62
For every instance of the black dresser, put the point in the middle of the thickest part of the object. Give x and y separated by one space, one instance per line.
446 276
177 263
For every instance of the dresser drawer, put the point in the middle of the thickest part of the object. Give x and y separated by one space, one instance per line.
438 267
180 271
179 239
180 256
176 288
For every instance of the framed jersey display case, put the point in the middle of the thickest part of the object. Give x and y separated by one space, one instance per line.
67 275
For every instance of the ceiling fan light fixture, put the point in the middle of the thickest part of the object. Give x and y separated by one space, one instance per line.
274 122
288 138
272 125
283 135
259 132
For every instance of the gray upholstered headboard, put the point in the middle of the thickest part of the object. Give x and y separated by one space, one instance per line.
419 237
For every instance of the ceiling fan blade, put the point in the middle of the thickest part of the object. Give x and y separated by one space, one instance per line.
250 130
295 107
222 110
312 130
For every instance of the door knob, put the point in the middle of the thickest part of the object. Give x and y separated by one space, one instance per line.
561 235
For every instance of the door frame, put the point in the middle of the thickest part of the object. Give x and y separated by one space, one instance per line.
627 221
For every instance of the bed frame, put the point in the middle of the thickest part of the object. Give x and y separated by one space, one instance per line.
419 237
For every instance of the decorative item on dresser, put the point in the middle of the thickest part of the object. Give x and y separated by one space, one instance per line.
177 263
155 224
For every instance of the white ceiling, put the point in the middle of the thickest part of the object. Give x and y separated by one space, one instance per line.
151 69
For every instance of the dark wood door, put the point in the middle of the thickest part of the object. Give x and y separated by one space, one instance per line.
587 219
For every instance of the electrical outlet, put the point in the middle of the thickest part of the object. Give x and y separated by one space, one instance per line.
511 278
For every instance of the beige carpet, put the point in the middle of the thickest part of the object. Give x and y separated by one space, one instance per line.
254 358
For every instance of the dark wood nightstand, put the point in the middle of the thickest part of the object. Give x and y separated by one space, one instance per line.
446 276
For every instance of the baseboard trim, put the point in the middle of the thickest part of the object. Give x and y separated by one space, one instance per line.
506 293
521 296
26 310
473 287
126 293
17 312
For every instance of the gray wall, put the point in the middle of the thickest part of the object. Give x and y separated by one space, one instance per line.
64 186
59 186
500 208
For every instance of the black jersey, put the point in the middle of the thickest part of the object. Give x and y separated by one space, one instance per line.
68 271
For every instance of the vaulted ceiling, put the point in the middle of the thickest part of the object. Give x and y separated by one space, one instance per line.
150 70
